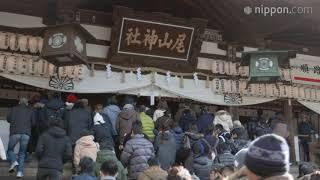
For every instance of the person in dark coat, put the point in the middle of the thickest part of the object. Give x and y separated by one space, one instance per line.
239 140
305 130
205 120
212 139
54 107
137 152
102 128
53 150
178 134
112 110
165 144
21 120
225 158
79 120
201 163
187 119
86 165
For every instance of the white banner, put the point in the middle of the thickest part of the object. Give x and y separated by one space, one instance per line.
305 70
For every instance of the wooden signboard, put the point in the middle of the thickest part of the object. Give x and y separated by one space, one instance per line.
155 40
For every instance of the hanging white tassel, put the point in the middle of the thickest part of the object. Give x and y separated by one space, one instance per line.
109 71
168 77
195 77
139 76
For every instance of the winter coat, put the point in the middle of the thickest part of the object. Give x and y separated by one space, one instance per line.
178 136
153 173
103 133
124 122
165 147
202 167
136 154
84 176
2 151
79 120
204 121
54 108
112 111
148 125
106 155
85 146
213 141
262 129
21 119
179 114
53 149
239 144
225 159
186 120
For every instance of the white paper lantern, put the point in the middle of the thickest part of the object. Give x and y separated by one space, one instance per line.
3 62
227 67
12 64
295 92
222 67
40 44
13 42
216 85
22 65
51 69
215 67
41 67
23 43
32 66
302 94
33 44
4 40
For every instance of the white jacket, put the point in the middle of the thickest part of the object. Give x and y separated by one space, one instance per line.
2 151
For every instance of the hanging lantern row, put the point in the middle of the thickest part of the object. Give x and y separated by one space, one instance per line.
223 86
234 69
19 42
26 65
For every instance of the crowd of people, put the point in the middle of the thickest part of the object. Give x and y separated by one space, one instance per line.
137 142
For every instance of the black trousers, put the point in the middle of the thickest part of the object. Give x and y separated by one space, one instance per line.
305 145
51 174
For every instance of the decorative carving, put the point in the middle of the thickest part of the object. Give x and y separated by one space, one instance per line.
61 83
233 98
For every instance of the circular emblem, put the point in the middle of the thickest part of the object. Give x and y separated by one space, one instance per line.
264 64
78 44
57 40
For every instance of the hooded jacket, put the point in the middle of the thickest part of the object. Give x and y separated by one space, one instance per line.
103 132
112 111
148 125
79 120
136 154
165 147
55 108
178 136
225 119
85 146
124 122
153 173
202 167
106 155
53 149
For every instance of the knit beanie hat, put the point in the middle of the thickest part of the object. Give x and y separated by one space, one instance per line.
71 98
240 158
268 156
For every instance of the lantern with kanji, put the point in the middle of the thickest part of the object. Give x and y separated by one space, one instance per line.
65 45
264 65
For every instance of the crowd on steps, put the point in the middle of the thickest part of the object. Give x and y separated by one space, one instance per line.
136 142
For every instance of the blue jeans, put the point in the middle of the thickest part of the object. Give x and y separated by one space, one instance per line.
23 140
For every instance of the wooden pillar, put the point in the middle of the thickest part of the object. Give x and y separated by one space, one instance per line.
292 126
234 111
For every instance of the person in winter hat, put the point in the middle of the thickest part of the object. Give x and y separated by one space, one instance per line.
154 172
165 144
147 123
107 153
102 127
239 140
177 133
187 119
137 152
124 122
112 110
224 118
86 169
85 146
240 158
225 158
268 158
53 150
201 162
